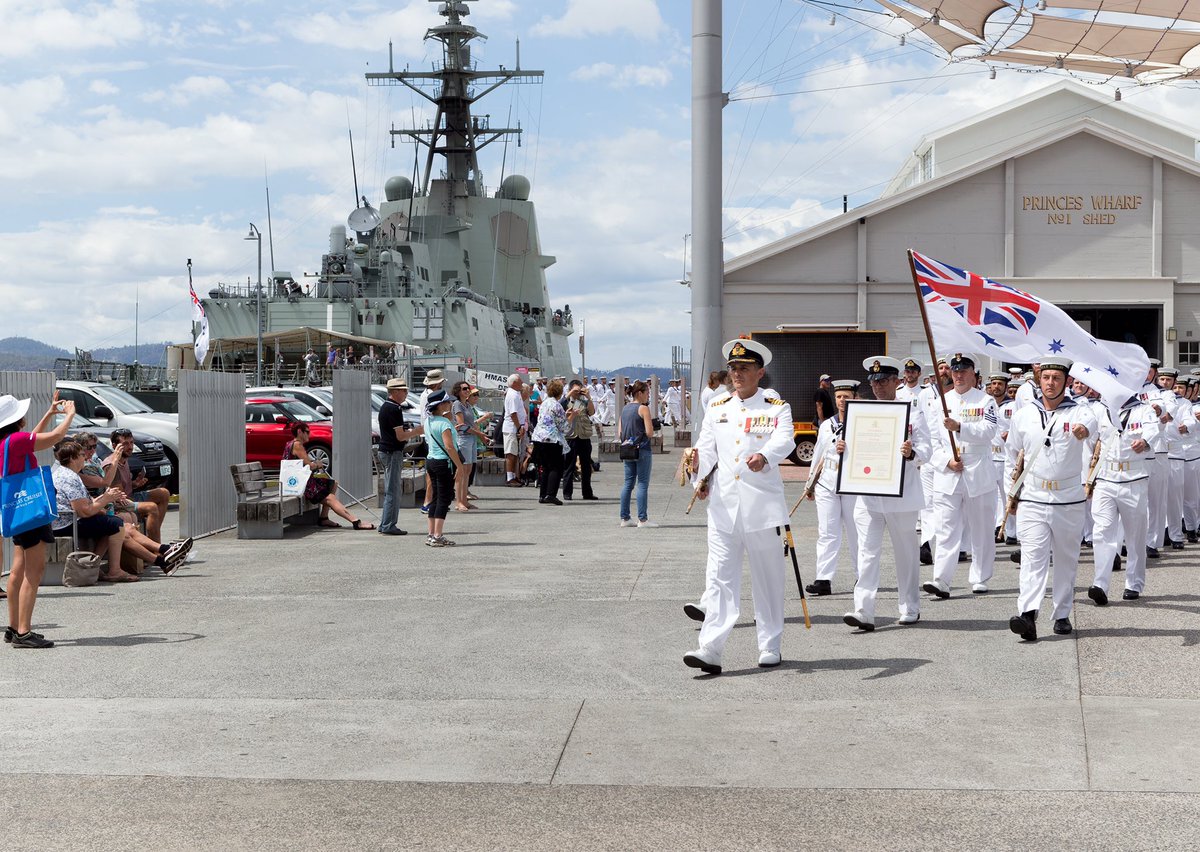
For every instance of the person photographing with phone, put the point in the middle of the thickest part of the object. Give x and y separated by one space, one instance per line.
150 504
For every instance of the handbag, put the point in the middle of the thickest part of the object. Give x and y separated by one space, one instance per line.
629 451
28 499
82 569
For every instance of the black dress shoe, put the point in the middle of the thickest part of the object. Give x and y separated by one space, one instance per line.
693 612
926 554
1177 545
1062 626
934 590
1152 553
1011 540
590 497
1086 544
1130 595
1097 594
1024 626
963 556
819 588
567 497
1123 551
864 626
1117 566
1015 556
396 531
553 501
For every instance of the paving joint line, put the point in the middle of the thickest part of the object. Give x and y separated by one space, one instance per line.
1087 756
566 742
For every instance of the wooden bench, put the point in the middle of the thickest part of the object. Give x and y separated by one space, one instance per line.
489 470
608 450
261 511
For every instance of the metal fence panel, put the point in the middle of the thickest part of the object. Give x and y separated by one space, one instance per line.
352 419
212 436
39 388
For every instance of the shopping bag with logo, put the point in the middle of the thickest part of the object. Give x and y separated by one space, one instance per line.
27 499
293 476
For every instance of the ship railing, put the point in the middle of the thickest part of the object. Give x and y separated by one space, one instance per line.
124 376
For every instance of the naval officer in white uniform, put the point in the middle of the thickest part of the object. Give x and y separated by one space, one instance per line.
744 439
898 514
835 512
964 491
1050 509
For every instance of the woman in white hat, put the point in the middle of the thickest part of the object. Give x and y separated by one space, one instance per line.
29 547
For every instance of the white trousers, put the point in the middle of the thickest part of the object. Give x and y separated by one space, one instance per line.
835 515
963 520
1117 504
900 526
765 550
1046 530
1175 499
1191 494
1001 496
928 519
1156 506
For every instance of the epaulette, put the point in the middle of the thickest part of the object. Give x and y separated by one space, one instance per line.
773 400
721 400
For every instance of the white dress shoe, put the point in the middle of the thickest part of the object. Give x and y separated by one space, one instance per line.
980 588
768 659
909 619
706 661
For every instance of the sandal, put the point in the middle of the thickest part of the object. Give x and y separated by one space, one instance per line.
120 578
358 525
325 522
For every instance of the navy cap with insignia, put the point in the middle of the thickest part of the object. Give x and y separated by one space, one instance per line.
745 351
961 361
881 367
913 364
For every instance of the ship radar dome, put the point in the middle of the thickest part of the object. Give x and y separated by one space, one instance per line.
515 187
398 188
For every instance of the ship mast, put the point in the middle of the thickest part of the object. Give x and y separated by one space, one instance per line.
455 134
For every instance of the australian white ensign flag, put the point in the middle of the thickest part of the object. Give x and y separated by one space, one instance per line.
198 316
970 313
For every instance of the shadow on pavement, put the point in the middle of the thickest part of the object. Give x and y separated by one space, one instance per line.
129 640
887 667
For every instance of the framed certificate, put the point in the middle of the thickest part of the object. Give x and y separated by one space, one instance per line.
872 464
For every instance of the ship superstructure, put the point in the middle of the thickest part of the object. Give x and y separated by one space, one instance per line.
447 265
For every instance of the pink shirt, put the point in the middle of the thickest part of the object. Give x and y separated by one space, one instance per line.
20 447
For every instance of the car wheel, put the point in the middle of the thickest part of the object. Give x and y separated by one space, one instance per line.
803 454
320 452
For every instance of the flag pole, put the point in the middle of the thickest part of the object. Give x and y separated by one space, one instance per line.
937 380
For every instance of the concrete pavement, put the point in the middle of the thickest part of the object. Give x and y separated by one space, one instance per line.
525 690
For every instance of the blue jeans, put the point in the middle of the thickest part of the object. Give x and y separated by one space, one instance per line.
393 466
640 471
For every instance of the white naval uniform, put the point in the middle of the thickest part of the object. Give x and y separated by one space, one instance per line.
899 515
1050 510
1005 414
1191 475
1119 500
1026 394
671 400
904 393
964 503
1177 451
835 512
929 406
1158 470
746 511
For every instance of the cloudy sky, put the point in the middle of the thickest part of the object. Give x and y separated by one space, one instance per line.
135 134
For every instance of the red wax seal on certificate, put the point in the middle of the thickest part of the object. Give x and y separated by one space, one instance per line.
866 470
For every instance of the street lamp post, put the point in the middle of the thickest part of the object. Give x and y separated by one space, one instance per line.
256 235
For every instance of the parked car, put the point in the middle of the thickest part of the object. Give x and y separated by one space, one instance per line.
318 399
114 408
148 456
269 421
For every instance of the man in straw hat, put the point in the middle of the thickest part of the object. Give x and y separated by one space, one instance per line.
745 436
393 434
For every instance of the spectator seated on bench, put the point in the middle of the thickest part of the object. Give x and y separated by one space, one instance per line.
321 488
150 504
87 517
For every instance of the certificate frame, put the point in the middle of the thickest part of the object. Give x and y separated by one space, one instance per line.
872 465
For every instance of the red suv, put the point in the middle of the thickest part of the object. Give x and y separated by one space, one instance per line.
269 422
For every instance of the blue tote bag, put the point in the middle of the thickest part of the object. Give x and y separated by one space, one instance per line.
28 499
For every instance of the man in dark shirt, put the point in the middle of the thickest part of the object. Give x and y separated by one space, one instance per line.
393 432
823 399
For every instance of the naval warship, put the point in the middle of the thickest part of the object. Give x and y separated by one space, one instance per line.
445 268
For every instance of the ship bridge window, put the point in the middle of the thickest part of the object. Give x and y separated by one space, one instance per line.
475 323
427 322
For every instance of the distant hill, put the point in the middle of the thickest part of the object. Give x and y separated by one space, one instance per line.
23 353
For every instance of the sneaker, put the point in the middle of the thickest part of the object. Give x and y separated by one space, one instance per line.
647 524
444 542
430 541
425 510
10 634
31 640
626 522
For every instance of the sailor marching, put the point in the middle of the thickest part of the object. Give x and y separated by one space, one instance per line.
835 512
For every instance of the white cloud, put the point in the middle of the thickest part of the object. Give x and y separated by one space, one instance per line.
638 18
103 88
34 27
623 76
23 104
405 28
191 89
